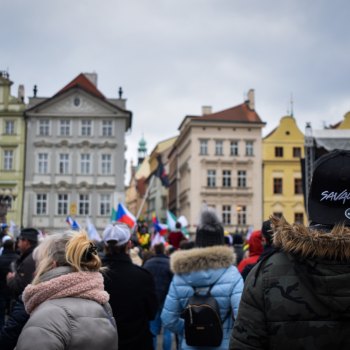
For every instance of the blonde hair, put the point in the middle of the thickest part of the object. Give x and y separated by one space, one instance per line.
68 249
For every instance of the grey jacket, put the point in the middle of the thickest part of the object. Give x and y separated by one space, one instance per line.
78 324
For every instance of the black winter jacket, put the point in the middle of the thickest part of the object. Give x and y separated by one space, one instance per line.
159 267
6 259
299 297
9 334
133 300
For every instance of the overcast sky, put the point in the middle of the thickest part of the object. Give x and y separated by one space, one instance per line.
172 57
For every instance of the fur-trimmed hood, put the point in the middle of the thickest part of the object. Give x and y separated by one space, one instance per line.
309 242
197 259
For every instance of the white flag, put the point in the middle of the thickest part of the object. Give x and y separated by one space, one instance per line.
91 231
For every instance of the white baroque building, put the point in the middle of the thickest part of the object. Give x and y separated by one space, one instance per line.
75 156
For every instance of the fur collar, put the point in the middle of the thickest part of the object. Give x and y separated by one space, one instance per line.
310 242
196 259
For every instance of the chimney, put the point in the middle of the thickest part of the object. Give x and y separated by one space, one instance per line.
92 77
21 92
251 99
206 110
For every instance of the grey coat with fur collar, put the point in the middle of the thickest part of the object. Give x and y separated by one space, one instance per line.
298 298
200 268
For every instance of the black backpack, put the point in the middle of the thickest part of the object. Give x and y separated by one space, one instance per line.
203 325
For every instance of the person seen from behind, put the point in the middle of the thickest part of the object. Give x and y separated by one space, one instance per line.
255 249
132 291
67 303
299 297
24 266
207 267
176 237
159 266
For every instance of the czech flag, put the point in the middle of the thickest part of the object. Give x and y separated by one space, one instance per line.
124 215
72 223
162 229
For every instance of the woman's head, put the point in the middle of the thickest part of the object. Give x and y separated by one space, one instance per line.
70 248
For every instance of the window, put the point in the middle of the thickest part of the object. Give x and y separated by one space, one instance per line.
279 152
296 152
86 128
226 178
41 204
9 127
106 128
62 204
226 214
63 167
105 204
278 214
64 127
211 178
241 179
164 202
219 148
298 186
43 161
234 148
203 150
299 218
241 215
249 148
84 204
277 185
8 159
85 163
106 164
44 127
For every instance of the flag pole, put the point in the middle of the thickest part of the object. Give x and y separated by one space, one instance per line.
145 197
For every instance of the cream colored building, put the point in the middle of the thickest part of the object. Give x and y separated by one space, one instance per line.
217 161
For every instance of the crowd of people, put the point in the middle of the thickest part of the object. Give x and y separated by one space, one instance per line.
290 289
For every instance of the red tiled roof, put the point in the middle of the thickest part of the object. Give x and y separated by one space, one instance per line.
240 113
83 82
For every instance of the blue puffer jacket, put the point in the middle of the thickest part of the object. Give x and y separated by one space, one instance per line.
202 267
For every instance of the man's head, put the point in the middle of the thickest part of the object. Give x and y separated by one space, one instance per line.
116 237
28 238
329 195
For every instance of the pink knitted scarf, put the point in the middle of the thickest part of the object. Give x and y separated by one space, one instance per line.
85 285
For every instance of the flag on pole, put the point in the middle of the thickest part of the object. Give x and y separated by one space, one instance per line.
113 215
171 220
184 224
72 223
157 239
124 215
91 231
162 229
13 229
161 173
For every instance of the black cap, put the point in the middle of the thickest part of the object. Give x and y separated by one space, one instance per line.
30 234
329 195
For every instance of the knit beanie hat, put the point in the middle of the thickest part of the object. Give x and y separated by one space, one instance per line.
210 231
329 195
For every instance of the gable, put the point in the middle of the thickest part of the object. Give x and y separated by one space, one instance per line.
77 102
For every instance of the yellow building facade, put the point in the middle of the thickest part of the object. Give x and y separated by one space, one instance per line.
12 143
282 176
